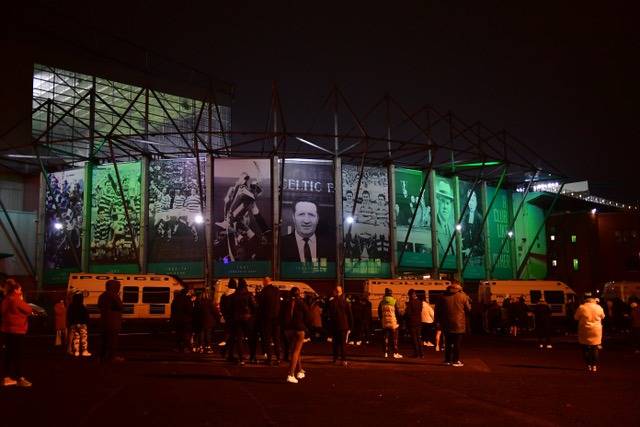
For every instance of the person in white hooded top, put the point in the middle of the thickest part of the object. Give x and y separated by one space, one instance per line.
589 316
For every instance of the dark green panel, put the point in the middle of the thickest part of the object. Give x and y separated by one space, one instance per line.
243 269
498 226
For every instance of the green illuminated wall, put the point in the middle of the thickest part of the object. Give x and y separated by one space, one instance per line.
527 224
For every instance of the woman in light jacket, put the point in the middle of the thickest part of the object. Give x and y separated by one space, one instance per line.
589 316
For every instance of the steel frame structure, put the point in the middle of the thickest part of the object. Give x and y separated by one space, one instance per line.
143 124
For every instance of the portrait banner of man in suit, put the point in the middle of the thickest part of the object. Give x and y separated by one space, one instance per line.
308 232
366 221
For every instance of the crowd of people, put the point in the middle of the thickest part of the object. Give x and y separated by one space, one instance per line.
282 324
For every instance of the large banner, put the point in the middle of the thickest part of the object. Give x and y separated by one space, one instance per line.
63 225
242 207
418 250
529 221
366 222
498 229
471 231
445 222
176 221
112 249
308 242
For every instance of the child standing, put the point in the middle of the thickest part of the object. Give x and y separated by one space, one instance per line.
60 316
78 318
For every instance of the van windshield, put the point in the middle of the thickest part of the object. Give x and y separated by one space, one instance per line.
554 297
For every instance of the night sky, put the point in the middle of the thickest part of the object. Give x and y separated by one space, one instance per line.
562 78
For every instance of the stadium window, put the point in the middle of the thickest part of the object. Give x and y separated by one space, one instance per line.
574 238
576 264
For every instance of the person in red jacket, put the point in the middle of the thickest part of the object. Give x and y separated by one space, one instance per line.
15 316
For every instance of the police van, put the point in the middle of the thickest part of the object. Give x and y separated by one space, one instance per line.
555 293
374 288
144 296
254 285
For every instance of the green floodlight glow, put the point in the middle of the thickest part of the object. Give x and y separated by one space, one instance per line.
478 164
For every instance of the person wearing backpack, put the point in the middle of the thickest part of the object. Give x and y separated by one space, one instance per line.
243 307
389 313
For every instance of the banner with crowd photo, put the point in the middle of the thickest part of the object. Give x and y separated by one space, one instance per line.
472 230
498 228
112 248
242 216
308 231
63 225
366 222
418 252
445 222
176 219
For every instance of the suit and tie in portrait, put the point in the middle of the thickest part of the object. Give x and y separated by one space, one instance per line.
305 244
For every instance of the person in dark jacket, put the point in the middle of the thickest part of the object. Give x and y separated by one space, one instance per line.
454 306
295 320
110 306
243 308
413 317
208 316
522 314
341 322
269 313
226 310
182 318
77 321
542 313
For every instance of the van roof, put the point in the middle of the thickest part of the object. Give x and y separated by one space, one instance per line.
527 284
425 282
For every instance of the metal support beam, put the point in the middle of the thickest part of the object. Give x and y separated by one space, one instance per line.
512 222
23 252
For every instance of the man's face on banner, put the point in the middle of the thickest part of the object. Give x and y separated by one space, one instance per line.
444 206
305 218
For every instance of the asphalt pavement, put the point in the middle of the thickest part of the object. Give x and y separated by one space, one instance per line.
504 382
